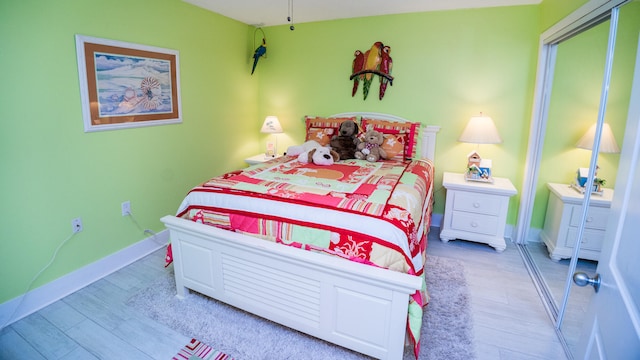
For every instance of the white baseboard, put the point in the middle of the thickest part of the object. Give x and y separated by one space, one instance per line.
436 220
49 293
534 235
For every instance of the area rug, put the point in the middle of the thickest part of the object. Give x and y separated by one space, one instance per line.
446 330
197 350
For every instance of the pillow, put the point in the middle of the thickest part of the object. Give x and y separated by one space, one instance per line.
409 130
394 145
321 129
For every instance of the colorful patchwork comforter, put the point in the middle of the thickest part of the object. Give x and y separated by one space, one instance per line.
374 213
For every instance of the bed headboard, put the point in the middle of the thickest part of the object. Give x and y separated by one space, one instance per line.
428 132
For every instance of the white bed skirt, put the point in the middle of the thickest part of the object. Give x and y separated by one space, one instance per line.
360 307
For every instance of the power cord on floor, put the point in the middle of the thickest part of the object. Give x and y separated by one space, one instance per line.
154 236
55 254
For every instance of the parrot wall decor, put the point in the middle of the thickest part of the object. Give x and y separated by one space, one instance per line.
375 61
261 51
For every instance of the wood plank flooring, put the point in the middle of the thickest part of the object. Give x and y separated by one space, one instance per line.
509 318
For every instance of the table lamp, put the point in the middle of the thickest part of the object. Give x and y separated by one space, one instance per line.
608 145
271 125
480 130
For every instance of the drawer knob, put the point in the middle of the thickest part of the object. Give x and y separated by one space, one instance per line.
589 219
474 224
476 204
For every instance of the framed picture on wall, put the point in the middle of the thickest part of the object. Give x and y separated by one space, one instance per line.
124 85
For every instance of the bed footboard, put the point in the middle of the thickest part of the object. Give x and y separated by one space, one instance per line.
360 307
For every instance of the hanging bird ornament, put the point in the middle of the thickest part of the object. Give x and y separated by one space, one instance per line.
375 61
372 61
259 52
357 66
385 68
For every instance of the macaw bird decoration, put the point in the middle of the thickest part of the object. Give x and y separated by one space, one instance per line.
260 51
372 61
385 67
375 61
357 66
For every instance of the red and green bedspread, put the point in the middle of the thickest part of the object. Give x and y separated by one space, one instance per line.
375 213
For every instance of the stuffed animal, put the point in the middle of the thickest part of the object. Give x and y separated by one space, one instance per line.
319 156
296 150
312 152
346 141
370 148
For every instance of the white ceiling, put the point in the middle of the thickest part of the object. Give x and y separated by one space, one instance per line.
275 12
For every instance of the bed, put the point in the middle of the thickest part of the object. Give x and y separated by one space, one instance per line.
371 304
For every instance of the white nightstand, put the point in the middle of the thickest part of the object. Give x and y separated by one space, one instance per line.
476 211
563 217
260 158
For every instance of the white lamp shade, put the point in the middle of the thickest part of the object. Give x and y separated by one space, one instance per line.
608 142
271 125
480 130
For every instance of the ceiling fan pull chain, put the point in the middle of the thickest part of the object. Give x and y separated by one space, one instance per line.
290 17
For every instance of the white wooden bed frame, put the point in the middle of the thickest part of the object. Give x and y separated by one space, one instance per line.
359 307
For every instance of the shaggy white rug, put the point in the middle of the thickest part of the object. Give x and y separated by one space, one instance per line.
446 329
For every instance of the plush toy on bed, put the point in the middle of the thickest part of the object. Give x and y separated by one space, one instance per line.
346 141
295 150
319 156
370 148
312 152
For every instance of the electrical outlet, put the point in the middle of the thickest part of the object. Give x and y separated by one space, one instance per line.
126 208
76 224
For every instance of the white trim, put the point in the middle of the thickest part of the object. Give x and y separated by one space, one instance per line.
585 16
49 293
436 220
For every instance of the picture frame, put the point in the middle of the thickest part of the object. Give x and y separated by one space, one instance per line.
125 85
270 150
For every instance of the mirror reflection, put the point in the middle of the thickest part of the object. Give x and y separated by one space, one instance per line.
625 52
576 89
573 108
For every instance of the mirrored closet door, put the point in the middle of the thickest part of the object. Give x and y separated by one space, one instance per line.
584 81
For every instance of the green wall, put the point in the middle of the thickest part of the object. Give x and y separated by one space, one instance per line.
448 66
54 172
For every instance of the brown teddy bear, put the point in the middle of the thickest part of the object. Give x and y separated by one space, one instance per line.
370 149
346 141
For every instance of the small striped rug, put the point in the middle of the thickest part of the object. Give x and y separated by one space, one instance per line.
196 350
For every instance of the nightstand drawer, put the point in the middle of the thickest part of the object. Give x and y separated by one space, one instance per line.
474 223
477 203
591 239
596 217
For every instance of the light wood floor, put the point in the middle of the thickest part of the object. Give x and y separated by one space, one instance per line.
510 321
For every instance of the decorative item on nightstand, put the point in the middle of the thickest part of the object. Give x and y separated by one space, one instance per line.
271 125
479 130
580 182
607 145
